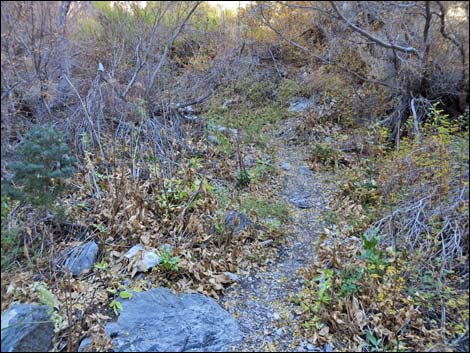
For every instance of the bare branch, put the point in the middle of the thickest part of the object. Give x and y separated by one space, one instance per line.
141 62
372 37
458 44
415 119
167 47
326 61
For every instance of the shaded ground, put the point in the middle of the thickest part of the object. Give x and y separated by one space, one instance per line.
261 301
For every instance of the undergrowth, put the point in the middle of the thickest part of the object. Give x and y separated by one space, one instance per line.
391 271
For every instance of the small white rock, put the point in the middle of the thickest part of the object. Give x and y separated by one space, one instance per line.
233 277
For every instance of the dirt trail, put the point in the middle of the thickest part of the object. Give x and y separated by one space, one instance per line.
261 301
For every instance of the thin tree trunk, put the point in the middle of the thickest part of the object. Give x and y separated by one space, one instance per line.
62 47
165 51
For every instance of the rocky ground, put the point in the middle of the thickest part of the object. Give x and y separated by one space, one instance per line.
262 301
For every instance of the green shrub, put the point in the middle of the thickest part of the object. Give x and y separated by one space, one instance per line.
43 163
168 262
262 170
325 153
288 89
243 178
257 92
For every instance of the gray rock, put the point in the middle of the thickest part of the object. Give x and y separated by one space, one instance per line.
192 118
249 161
286 166
148 258
273 221
229 102
301 201
81 258
266 242
84 345
236 222
225 130
166 247
304 170
27 328
310 347
301 104
327 348
134 250
160 321
233 277
213 139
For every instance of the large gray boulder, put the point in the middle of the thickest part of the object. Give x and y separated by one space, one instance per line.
160 321
27 328
81 258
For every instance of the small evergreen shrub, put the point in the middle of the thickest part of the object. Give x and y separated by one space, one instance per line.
43 163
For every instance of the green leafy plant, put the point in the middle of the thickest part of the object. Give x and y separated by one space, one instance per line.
371 251
102 266
46 297
375 345
125 294
323 288
243 178
168 262
115 304
261 170
324 153
350 278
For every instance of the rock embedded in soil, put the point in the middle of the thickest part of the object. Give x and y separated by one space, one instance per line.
213 139
232 276
160 321
299 105
226 130
236 222
27 328
301 201
249 161
81 258
304 170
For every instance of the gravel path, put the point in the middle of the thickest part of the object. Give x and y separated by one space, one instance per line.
261 301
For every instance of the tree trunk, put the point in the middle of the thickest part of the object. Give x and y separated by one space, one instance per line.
62 47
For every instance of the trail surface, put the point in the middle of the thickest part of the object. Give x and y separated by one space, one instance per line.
262 301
